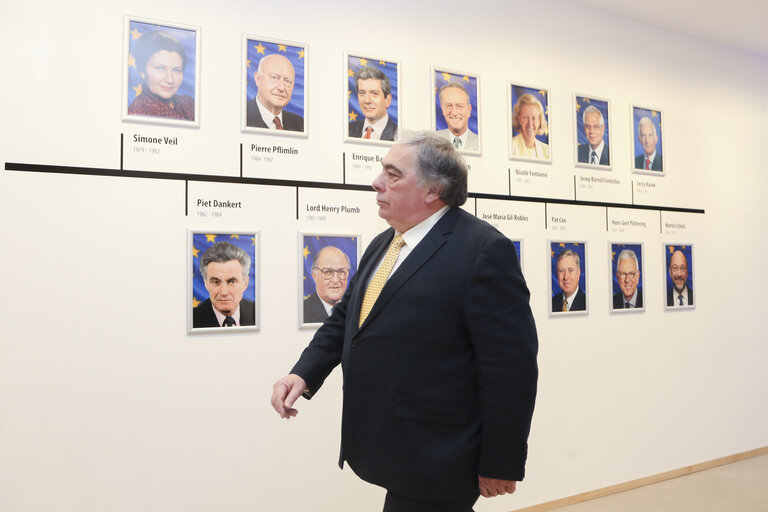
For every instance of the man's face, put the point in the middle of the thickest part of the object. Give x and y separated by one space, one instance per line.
225 284
628 276
372 100
456 109
678 270
529 118
275 82
164 74
401 198
332 288
648 138
568 274
593 129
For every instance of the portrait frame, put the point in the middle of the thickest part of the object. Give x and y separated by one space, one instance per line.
441 76
256 48
656 116
519 243
555 247
514 92
310 243
353 61
580 103
687 249
198 242
190 38
614 250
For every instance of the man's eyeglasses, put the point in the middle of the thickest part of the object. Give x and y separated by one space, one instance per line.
327 273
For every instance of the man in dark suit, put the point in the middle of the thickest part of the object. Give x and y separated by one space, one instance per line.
571 298
650 159
628 277
679 294
275 79
374 95
436 341
596 151
225 270
330 271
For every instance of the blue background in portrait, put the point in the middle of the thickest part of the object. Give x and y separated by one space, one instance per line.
539 94
201 242
639 113
311 244
687 250
186 37
295 54
469 83
615 250
558 247
389 68
583 102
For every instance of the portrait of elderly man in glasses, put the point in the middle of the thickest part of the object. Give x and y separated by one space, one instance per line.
330 271
628 276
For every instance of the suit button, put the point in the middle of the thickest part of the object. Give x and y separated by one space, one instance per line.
355 343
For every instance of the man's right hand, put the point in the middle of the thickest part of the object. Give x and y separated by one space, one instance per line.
285 392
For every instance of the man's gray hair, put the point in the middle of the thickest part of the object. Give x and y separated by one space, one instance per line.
439 165
572 254
645 120
368 73
329 247
222 252
589 109
455 85
628 254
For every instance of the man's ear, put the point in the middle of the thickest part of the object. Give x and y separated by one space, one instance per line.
433 194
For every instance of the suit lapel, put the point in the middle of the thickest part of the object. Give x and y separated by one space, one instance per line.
428 246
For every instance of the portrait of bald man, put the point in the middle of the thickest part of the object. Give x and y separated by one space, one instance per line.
331 269
275 80
680 280
647 150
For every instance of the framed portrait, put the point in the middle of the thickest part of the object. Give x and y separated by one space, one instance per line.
518 243
646 144
626 277
592 126
372 97
568 277
326 265
456 108
223 281
161 66
529 123
679 283
274 86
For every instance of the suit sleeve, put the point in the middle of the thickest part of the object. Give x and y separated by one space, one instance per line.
503 333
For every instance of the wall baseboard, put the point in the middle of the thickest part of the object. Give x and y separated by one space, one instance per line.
642 482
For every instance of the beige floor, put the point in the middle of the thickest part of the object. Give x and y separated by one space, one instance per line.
738 487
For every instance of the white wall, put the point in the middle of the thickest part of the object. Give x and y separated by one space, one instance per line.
107 404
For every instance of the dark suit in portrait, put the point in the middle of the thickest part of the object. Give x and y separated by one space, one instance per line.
673 300
656 165
618 300
314 311
440 379
291 121
579 302
203 315
586 149
389 133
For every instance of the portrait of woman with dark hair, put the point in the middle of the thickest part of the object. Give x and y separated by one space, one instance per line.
161 60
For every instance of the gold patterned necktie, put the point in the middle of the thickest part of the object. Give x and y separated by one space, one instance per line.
565 304
380 278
